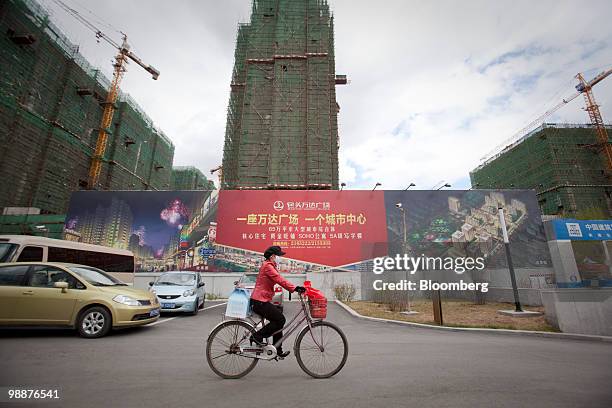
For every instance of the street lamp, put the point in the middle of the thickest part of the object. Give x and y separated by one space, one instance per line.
400 207
411 185
441 187
342 185
376 185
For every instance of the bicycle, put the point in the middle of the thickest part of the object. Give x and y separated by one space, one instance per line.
322 354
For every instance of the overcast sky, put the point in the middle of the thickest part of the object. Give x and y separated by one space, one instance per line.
435 85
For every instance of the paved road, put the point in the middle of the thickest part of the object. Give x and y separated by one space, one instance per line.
388 366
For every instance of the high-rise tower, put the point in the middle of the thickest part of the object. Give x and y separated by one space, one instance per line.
282 129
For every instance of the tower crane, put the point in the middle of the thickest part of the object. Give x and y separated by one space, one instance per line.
592 109
119 68
584 88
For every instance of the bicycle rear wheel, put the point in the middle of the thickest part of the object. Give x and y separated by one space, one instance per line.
322 351
223 349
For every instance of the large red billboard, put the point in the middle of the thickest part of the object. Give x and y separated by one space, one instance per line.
331 228
228 230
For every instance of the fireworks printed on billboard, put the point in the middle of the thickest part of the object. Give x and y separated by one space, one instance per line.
176 214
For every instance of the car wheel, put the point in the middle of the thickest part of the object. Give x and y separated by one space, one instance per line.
94 322
195 308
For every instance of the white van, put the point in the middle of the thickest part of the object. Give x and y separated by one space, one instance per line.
26 248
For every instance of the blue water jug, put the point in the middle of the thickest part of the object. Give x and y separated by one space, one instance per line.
238 304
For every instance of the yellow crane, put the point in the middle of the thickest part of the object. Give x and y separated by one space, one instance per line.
119 67
585 88
592 108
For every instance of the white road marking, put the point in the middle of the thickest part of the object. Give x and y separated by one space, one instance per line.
210 307
176 317
164 320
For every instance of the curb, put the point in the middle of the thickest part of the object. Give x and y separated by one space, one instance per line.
526 333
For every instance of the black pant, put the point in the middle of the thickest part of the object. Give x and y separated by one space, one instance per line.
275 317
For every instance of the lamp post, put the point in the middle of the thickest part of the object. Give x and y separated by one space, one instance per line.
411 185
400 207
376 185
442 186
502 222
342 185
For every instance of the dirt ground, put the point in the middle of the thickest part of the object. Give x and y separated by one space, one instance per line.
460 314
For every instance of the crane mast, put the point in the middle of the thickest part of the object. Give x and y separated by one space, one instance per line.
107 118
592 109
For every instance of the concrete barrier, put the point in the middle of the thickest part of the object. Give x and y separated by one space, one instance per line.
528 297
219 284
584 311
127 277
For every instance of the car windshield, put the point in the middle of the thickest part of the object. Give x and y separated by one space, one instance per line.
249 279
96 276
6 251
177 279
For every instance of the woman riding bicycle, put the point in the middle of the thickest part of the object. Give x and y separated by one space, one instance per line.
262 296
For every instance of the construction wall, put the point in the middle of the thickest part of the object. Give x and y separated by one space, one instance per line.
282 117
560 163
50 110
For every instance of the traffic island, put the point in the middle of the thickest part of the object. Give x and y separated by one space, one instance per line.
457 313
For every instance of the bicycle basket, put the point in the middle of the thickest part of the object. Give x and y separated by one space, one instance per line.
318 308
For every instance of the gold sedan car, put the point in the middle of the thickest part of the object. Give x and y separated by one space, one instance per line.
83 297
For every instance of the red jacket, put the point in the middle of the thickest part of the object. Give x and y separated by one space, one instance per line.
268 276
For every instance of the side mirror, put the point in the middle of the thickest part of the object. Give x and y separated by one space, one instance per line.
61 285
201 284
151 283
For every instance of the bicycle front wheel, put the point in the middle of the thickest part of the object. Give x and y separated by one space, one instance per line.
223 349
321 351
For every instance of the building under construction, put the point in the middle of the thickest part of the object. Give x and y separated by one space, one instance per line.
282 127
190 178
562 162
51 102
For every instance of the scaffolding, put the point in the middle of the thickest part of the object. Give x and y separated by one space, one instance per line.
50 108
190 178
282 127
561 162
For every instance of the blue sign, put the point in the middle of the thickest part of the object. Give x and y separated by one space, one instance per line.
579 230
206 251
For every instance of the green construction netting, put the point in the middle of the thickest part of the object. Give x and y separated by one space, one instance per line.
560 162
51 104
282 114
